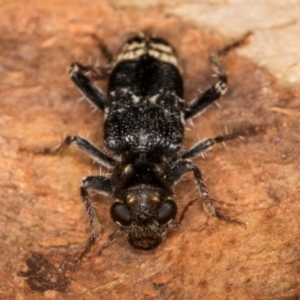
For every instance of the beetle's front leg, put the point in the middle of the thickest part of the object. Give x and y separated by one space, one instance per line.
180 168
102 185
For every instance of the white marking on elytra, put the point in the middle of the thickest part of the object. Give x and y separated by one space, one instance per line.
153 99
162 47
134 45
160 51
128 138
131 55
112 93
135 98
167 113
106 112
165 57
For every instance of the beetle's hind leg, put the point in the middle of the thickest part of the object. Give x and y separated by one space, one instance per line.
201 103
99 71
238 43
96 71
93 93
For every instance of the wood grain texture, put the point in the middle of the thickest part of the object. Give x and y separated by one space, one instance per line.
42 221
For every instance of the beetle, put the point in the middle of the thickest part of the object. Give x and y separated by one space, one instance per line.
145 115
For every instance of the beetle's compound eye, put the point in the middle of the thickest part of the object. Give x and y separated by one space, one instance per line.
120 214
167 212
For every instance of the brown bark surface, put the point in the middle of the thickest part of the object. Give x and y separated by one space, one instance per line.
42 221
